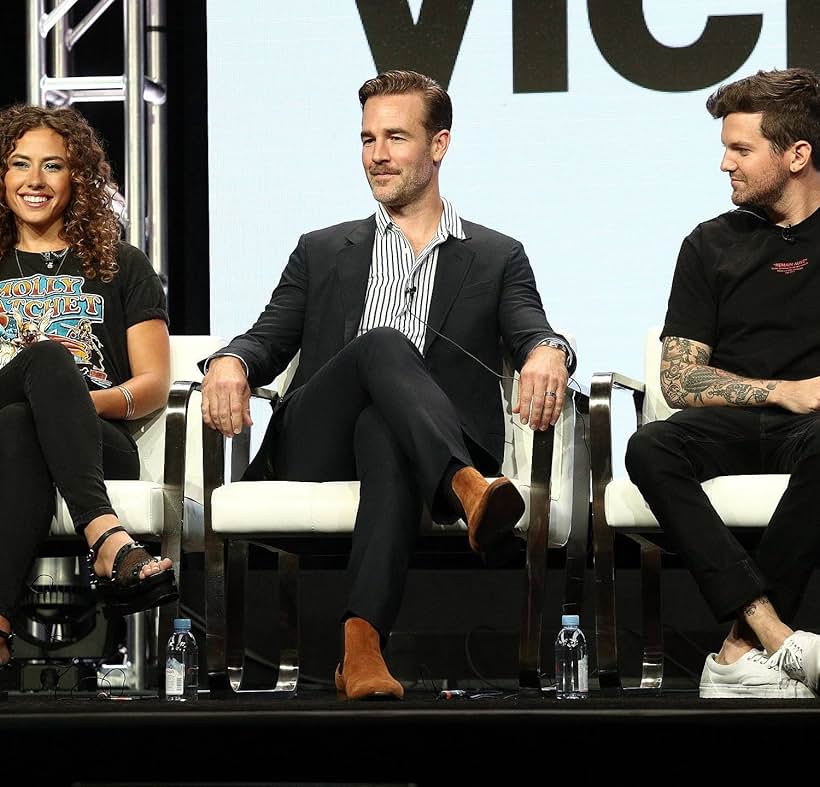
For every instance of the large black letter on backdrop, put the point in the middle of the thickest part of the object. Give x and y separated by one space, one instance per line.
540 46
621 34
431 46
802 31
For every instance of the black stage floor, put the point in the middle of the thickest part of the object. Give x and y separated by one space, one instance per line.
316 738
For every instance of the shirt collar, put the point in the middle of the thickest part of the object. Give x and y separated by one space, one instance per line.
450 223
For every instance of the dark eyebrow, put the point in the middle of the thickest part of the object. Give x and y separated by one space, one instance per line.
739 142
28 158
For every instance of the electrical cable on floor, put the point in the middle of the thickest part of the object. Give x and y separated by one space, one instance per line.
468 657
494 690
436 690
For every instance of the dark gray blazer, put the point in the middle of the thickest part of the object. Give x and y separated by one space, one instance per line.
484 298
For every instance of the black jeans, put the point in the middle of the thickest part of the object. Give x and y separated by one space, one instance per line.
50 435
375 414
667 460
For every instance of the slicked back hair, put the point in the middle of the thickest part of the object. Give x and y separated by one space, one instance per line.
391 83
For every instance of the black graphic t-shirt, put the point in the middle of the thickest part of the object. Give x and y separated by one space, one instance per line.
750 290
88 316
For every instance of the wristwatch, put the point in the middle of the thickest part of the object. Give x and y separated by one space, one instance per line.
557 344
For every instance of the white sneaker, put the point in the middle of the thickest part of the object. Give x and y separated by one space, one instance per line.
799 657
752 675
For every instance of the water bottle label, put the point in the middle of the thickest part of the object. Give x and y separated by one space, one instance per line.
583 676
174 678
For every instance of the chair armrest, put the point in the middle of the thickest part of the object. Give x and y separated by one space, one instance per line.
603 542
174 470
600 418
265 393
213 445
176 429
622 381
561 443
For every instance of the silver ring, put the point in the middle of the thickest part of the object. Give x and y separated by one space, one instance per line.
550 393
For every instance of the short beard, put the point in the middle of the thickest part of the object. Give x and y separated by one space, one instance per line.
766 194
407 193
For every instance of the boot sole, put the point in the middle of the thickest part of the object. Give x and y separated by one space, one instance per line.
504 507
338 680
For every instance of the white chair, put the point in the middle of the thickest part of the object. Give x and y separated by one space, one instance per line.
166 503
550 471
742 501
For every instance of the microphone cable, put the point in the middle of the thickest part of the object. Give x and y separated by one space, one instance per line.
571 381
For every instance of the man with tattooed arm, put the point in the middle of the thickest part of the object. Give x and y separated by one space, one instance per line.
741 361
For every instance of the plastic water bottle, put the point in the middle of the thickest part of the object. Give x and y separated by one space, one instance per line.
181 664
571 663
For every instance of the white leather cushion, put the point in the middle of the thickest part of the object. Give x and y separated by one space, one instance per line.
307 508
740 500
138 504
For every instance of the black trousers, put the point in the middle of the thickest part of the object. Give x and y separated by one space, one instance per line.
375 414
50 435
667 460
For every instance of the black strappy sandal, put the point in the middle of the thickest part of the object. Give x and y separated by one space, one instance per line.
9 637
125 593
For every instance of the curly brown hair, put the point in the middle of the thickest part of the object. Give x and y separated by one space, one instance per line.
90 225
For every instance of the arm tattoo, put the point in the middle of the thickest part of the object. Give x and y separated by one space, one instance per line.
688 381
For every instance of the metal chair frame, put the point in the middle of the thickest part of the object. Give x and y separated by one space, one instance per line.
227 565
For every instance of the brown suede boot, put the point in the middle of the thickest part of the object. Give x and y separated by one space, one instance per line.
364 675
491 509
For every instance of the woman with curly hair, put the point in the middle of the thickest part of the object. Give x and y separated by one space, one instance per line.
83 348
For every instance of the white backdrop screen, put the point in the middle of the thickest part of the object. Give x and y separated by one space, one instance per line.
579 128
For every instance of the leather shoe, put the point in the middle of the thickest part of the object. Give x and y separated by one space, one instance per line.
364 675
491 509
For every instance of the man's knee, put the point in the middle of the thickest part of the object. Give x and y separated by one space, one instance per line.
813 430
386 340
811 439
643 448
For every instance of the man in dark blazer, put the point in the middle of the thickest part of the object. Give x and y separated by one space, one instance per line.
401 321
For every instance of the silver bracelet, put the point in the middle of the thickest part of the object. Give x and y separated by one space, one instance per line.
129 401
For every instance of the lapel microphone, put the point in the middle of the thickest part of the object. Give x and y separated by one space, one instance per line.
787 234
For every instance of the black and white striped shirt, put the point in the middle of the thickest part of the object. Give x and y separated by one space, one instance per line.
400 284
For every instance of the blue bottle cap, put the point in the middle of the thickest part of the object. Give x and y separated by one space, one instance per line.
182 624
570 620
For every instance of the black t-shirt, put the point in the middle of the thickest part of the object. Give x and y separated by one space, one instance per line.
751 291
88 316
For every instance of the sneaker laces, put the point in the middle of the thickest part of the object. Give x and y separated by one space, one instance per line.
786 660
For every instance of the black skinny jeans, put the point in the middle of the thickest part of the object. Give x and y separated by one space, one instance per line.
50 435
667 460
